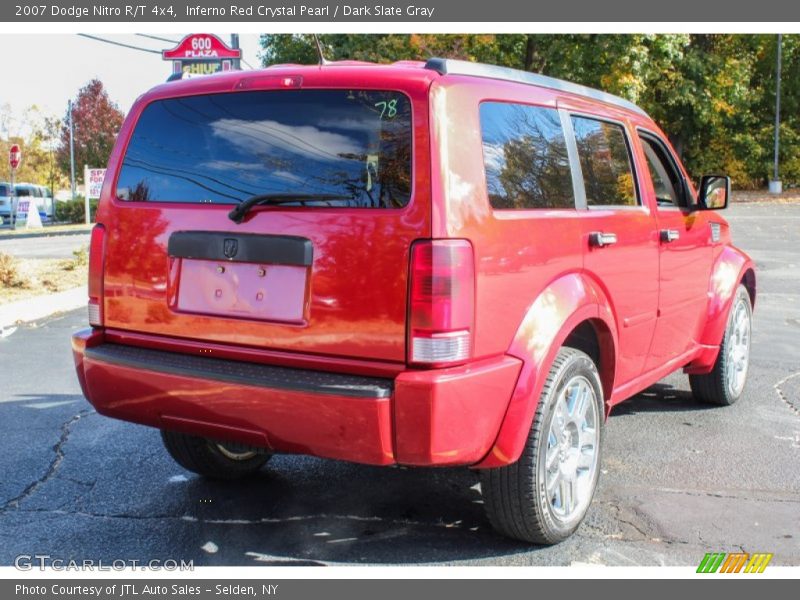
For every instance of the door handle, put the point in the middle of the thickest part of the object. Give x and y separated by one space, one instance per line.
598 239
669 235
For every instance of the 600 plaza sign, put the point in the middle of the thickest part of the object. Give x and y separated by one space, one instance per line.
202 54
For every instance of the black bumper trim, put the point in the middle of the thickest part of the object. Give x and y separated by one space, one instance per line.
245 373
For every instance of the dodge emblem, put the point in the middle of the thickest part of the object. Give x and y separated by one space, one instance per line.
230 247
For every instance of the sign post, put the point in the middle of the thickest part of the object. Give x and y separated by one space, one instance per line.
202 54
14 159
92 185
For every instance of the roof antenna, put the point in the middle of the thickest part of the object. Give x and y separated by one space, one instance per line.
322 59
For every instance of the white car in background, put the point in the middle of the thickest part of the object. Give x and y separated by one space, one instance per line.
48 205
41 197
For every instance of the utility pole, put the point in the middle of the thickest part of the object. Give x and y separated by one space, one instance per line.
13 216
237 62
71 149
775 185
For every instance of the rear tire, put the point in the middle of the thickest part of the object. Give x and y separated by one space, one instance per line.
210 458
725 383
543 497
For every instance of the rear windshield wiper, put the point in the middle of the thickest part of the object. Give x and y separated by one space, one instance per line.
237 214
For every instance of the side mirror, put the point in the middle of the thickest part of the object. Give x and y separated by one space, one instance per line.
714 193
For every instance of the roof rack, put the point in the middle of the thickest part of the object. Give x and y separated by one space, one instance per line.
445 66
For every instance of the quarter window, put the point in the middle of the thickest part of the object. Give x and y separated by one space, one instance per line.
605 162
667 182
525 157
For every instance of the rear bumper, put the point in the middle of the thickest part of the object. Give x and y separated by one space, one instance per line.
436 417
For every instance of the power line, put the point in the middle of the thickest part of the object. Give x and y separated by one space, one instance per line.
155 37
99 39
144 35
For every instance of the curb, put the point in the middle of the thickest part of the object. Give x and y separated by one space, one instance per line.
39 307
23 236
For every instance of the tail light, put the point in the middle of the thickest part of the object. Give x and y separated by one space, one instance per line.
96 254
441 302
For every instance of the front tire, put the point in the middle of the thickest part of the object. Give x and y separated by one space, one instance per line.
212 459
543 497
726 381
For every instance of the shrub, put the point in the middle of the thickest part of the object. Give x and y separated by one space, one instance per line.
80 258
9 272
72 211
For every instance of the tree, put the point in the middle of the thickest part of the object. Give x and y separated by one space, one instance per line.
38 140
96 122
712 94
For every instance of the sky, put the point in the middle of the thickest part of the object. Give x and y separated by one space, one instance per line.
49 69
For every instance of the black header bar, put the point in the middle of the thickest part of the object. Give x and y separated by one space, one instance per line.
397 11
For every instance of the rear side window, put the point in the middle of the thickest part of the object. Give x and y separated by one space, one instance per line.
5 190
333 148
605 161
525 157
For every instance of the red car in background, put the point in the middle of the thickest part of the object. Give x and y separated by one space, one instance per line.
424 264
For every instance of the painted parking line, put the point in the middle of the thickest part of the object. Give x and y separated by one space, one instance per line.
33 403
42 405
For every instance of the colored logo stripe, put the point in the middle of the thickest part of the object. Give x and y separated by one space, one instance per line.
733 563
758 562
711 562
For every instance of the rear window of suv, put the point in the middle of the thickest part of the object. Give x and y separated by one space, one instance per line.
346 148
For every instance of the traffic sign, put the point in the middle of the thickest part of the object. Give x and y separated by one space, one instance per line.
14 156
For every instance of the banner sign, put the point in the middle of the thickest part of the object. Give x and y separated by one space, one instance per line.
93 180
202 54
27 213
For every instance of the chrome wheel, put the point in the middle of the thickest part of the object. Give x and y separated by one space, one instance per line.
738 357
571 454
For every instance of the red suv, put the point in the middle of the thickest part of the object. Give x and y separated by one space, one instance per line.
424 264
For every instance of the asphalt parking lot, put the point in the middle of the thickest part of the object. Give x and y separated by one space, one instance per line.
678 479
57 246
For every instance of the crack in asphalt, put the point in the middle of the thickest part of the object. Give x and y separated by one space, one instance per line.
783 396
52 468
636 528
703 493
622 518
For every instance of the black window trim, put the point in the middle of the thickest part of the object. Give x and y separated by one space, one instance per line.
639 206
567 143
654 137
120 203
